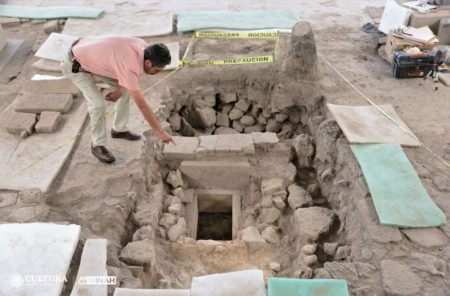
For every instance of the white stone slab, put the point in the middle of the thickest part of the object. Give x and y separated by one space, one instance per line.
244 282
394 15
10 48
174 49
31 252
92 263
143 23
35 162
47 65
149 292
366 124
55 47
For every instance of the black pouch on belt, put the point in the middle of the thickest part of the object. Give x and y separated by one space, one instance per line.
75 66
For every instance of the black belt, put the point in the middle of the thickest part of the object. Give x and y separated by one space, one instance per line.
76 66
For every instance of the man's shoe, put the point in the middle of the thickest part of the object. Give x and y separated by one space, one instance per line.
130 136
102 154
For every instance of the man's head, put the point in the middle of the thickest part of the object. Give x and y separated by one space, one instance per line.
156 57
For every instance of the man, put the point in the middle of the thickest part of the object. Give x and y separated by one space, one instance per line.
118 61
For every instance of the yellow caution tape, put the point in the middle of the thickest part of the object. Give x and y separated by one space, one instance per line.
238 35
232 61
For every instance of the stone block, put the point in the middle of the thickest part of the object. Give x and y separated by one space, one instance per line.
398 279
48 122
184 148
52 26
312 222
232 175
247 120
228 98
264 139
242 105
252 238
444 31
37 103
93 263
223 120
18 123
51 86
254 129
269 186
426 237
236 114
237 143
141 253
303 44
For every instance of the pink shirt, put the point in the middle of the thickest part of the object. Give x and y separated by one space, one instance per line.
117 57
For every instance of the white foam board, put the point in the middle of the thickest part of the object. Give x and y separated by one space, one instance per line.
394 15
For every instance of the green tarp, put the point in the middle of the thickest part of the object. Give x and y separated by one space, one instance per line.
240 20
398 195
315 287
53 12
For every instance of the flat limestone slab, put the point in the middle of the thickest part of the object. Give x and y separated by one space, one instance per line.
231 175
92 263
244 282
50 86
184 149
37 103
8 51
314 287
149 292
34 162
397 192
33 250
14 66
56 47
48 122
366 124
144 23
16 123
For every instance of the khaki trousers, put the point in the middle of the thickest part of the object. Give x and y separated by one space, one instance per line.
97 103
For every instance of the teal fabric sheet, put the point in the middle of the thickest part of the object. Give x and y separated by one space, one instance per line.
398 195
240 20
315 287
53 12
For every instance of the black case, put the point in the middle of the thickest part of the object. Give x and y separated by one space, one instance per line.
406 66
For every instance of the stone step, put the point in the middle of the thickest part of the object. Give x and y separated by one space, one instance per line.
230 175
37 103
93 263
150 292
50 86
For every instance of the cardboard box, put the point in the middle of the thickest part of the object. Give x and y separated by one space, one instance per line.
394 44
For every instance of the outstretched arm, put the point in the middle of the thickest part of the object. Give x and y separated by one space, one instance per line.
149 115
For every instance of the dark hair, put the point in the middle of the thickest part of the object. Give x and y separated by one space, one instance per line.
158 54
